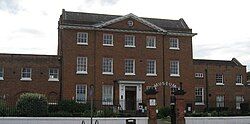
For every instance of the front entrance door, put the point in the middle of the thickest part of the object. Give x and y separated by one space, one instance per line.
130 97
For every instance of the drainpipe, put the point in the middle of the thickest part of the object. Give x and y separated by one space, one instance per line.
163 72
94 94
206 78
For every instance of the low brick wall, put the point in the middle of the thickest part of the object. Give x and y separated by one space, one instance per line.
218 120
68 120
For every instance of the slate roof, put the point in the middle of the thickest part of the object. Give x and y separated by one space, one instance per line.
233 62
90 19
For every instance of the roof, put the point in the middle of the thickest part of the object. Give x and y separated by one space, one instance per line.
92 19
233 62
28 55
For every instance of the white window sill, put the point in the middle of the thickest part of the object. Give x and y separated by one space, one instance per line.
107 103
81 101
26 79
129 46
109 45
150 47
53 79
239 84
85 44
199 103
174 75
81 72
107 73
151 74
129 74
1 79
174 48
220 84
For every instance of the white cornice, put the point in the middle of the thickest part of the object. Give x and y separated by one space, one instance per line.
130 82
129 31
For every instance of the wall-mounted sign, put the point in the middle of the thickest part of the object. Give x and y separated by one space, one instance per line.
152 102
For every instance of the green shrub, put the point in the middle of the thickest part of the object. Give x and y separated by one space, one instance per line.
106 112
2 108
164 112
60 114
72 106
32 104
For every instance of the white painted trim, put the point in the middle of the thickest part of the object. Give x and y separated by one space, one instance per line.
220 84
81 72
129 74
174 48
131 82
239 84
26 79
174 75
1 79
53 79
152 75
168 33
133 17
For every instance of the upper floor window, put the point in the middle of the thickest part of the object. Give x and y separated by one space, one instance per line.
129 67
107 95
129 41
1 73
53 74
239 100
82 38
81 93
220 101
199 75
174 43
151 67
26 74
107 66
108 39
81 65
219 79
174 68
150 42
199 96
239 79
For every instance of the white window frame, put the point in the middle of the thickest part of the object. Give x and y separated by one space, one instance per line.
82 65
199 92
84 94
173 41
106 39
149 67
52 73
238 101
176 66
108 65
28 72
128 63
239 80
149 40
128 39
199 75
105 94
2 73
82 38
219 77
220 101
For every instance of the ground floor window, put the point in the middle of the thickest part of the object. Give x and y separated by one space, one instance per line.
220 101
199 96
239 100
107 95
81 93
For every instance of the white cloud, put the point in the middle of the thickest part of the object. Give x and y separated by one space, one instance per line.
222 26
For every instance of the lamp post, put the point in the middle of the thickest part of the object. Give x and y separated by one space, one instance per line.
91 102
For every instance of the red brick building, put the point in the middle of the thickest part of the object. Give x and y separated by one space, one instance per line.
22 73
120 56
220 83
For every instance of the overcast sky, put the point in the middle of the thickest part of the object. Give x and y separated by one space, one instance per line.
223 26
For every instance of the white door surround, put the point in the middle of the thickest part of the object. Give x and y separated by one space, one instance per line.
122 96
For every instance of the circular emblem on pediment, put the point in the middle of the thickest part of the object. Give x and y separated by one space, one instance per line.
130 23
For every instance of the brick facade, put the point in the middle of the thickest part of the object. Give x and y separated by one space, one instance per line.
12 85
71 82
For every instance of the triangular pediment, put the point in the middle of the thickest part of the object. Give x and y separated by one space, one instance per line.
122 22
